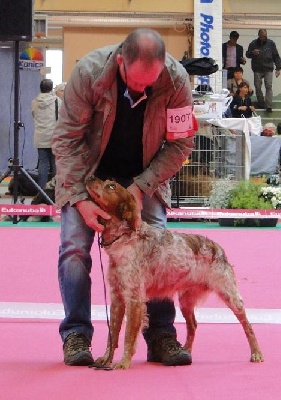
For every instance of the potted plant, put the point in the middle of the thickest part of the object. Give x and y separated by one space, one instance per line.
244 194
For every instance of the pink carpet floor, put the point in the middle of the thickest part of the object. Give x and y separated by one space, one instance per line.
31 364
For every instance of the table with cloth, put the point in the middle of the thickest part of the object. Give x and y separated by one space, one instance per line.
261 153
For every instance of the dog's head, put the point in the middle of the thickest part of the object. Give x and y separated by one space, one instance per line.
114 199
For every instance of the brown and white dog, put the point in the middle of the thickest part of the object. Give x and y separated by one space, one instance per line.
152 263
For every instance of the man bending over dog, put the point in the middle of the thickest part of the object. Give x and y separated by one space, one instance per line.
112 123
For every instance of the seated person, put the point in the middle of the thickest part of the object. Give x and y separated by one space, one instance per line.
241 105
269 129
232 84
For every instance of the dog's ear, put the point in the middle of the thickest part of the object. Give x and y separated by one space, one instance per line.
128 212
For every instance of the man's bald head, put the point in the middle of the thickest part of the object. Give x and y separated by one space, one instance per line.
145 45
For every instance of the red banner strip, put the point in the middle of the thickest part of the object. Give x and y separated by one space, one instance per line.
28 209
187 213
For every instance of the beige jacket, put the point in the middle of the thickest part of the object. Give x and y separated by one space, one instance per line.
43 110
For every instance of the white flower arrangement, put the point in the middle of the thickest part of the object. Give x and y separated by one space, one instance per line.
273 195
219 195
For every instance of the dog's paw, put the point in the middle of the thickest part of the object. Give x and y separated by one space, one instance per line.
257 357
123 364
102 362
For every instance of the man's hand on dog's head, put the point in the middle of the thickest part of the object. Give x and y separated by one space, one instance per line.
90 212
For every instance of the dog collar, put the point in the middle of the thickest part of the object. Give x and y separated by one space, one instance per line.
103 244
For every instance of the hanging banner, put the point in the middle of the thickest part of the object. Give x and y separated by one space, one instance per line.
208 39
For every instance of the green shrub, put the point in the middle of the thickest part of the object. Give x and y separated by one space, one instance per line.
247 195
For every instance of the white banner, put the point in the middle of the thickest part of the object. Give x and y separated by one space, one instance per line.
208 38
54 312
211 213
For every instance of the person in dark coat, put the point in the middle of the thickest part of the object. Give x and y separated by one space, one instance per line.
264 55
232 54
241 105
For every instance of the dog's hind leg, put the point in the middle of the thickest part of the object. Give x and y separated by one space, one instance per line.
135 311
228 292
117 312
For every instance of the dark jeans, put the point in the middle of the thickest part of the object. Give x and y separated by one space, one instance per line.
230 71
46 162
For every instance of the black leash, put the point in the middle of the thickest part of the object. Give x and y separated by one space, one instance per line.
100 367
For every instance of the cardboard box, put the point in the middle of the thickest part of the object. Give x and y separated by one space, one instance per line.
207 109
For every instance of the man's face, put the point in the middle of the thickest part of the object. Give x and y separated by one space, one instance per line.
139 75
238 75
233 40
263 36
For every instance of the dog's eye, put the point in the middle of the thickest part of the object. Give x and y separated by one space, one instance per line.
111 186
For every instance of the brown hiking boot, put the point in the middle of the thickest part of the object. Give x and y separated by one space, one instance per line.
76 350
167 350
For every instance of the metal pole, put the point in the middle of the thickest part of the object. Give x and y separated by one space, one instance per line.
16 127
17 168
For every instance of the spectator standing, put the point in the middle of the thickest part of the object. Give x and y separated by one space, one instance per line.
232 54
59 90
241 105
44 110
112 123
232 84
264 55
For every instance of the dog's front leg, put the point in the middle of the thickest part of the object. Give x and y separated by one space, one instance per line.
117 311
135 310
